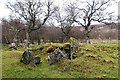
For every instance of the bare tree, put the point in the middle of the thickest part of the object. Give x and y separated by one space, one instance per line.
66 19
5 31
15 26
12 27
35 13
94 11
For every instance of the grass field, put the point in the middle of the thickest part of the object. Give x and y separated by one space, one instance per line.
90 63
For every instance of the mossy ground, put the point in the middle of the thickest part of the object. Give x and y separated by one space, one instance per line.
88 64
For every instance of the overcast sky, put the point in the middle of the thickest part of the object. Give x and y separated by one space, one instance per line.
4 12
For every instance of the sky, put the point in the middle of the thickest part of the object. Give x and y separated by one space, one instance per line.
5 12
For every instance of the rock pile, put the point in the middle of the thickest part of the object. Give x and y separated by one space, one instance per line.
66 52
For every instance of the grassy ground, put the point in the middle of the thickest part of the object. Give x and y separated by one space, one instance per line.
90 63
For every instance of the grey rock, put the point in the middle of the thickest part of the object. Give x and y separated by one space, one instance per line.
27 57
13 46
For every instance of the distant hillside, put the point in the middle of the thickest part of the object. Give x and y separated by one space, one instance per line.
54 34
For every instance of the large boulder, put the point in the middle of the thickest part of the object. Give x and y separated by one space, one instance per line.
27 57
36 60
56 56
74 42
70 51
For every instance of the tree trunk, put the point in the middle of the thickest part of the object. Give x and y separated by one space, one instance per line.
27 38
87 38
16 39
7 41
39 41
66 38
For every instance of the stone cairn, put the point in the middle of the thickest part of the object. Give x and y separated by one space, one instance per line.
67 52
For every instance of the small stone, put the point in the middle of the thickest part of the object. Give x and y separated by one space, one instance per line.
108 61
104 75
100 77
13 46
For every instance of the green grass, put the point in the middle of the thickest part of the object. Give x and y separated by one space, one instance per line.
81 67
